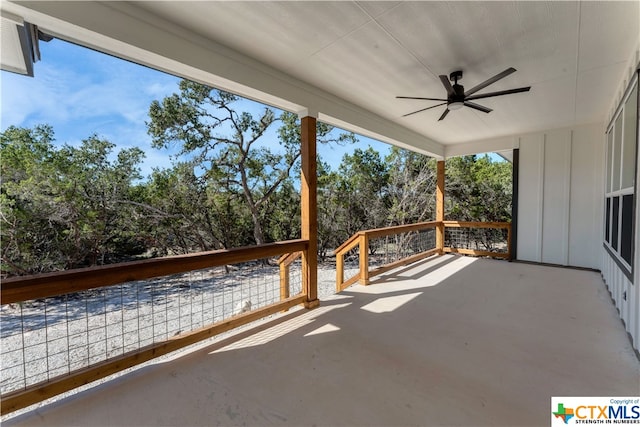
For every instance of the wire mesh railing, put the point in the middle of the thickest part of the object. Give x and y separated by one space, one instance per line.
491 239
388 249
43 339
382 249
379 250
69 338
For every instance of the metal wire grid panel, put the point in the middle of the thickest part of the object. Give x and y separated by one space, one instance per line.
352 263
45 338
480 239
388 249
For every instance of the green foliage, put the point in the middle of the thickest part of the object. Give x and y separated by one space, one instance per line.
411 187
206 126
362 182
477 189
67 206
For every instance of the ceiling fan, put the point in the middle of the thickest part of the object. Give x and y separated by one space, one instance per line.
457 97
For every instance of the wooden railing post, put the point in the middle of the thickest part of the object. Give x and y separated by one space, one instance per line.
284 281
364 259
339 271
440 206
309 210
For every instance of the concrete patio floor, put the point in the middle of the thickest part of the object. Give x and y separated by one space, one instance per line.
447 341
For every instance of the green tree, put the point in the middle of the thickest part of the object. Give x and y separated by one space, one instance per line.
205 124
67 207
94 200
477 189
28 238
411 187
363 179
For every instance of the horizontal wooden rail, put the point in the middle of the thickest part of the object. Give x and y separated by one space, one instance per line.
474 224
33 394
483 225
477 252
349 244
24 288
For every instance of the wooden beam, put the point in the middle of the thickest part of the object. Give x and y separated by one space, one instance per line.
476 224
440 206
475 252
309 210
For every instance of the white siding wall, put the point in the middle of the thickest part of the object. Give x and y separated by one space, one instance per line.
619 285
560 201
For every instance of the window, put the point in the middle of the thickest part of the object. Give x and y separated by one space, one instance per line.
621 147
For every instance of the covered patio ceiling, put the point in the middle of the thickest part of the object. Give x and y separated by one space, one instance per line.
347 61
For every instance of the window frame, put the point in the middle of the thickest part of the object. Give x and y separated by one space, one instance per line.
613 244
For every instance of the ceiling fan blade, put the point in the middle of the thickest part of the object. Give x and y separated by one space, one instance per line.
424 109
444 114
502 92
492 80
415 97
478 107
447 84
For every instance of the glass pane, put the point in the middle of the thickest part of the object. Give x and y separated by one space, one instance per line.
629 139
614 223
617 149
627 225
609 159
607 221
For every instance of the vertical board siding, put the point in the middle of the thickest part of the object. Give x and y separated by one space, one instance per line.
556 203
530 189
586 203
560 197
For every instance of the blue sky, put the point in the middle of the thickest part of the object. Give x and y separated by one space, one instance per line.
81 92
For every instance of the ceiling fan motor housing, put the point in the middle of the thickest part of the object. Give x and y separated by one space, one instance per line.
458 95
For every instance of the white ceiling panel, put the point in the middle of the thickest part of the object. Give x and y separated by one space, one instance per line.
591 90
609 32
277 33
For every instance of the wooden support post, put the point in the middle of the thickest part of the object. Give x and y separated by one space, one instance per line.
309 210
339 271
440 207
364 259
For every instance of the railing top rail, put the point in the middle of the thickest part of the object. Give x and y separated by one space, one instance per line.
476 224
348 242
289 258
386 231
23 288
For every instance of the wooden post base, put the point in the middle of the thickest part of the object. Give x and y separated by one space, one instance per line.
312 304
